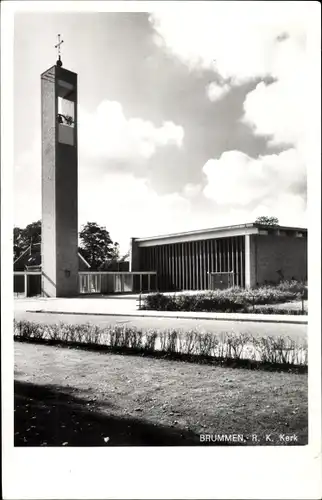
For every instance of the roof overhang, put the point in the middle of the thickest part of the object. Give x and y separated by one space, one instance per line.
214 233
203 234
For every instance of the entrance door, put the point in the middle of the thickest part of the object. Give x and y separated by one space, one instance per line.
221 281
34 285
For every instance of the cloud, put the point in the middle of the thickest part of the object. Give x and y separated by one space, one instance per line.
279 109
270 184
242 42
216 91
27 185
109 134
237 40
192 190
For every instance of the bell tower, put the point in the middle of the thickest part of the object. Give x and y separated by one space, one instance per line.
59 247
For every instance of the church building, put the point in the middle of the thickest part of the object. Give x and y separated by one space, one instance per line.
243 255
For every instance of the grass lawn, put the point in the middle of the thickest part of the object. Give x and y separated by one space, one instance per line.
68 396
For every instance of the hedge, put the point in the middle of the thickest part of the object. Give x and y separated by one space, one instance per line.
224 348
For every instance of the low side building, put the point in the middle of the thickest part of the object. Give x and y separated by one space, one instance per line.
243 255
30 260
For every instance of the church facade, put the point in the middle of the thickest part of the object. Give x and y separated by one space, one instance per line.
244 255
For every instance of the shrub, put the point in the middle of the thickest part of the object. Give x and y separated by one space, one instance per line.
230 300
187 342
135 339
236 344
24 329
279 350
169 341
277 310
150 338
298 287
158 302
54 332
186 302
268 295
119 336
206 344
195 344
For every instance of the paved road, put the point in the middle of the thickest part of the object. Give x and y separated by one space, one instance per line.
295 331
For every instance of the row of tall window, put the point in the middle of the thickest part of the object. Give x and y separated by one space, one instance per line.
188 266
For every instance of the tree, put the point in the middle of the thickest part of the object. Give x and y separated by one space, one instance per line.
17 242
115 261
125 256
267 221
115 252
32 233
96 244
23 238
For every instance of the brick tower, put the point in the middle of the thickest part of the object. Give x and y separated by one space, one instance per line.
59 246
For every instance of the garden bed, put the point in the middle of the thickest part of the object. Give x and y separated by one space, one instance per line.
262 300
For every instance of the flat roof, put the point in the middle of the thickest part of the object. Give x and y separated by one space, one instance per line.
223 231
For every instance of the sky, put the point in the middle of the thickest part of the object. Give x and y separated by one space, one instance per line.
188 119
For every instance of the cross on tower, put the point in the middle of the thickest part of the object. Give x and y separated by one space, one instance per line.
57 46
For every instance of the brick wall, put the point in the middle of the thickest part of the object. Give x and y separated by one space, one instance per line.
274 253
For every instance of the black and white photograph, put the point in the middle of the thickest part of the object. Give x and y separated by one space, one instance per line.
161 280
